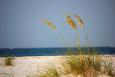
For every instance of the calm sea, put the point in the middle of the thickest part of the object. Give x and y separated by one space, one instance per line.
51 51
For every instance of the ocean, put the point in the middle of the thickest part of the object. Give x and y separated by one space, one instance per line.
52 51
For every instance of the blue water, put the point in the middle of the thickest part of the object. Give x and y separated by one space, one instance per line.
51 51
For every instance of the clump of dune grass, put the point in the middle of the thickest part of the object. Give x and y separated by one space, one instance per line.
9 61
50 72
74 64
89 65
108 68
93 64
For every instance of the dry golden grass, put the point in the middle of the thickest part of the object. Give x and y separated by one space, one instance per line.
89 65
50 72
9 61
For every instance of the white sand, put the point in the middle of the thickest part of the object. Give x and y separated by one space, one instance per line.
24 66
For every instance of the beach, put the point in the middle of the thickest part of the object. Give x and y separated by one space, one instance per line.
24 66
29 65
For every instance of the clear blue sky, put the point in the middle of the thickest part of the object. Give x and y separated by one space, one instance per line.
20 24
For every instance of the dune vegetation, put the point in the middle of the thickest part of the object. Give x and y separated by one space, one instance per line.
88 64
9 61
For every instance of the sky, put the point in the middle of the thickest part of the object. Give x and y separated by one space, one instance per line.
21 26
